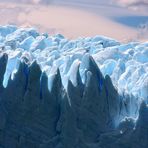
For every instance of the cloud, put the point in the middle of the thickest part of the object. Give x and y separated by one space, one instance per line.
42 1
29 1
129 3
137 5
18 1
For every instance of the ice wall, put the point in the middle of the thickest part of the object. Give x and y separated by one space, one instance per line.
56 93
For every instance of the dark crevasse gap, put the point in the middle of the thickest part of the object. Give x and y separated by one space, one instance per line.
83 116
3 63
100 81
41 86
26 73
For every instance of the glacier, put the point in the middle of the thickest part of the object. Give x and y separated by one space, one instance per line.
82 93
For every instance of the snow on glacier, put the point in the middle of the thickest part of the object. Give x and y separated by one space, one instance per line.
127 64
58 93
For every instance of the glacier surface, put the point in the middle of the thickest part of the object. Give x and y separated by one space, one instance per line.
83 93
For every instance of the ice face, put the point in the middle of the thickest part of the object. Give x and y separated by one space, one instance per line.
60 93
124 63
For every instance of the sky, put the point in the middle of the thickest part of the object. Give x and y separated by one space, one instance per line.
119 19
125 3
131 2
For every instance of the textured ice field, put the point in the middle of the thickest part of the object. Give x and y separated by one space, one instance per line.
60 93
126 64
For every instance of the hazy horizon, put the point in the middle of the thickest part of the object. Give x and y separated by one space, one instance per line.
123 20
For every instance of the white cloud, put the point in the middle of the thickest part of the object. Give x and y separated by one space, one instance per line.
29 1
129 3
137 5
36 1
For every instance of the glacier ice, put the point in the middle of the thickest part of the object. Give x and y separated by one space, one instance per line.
83 93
